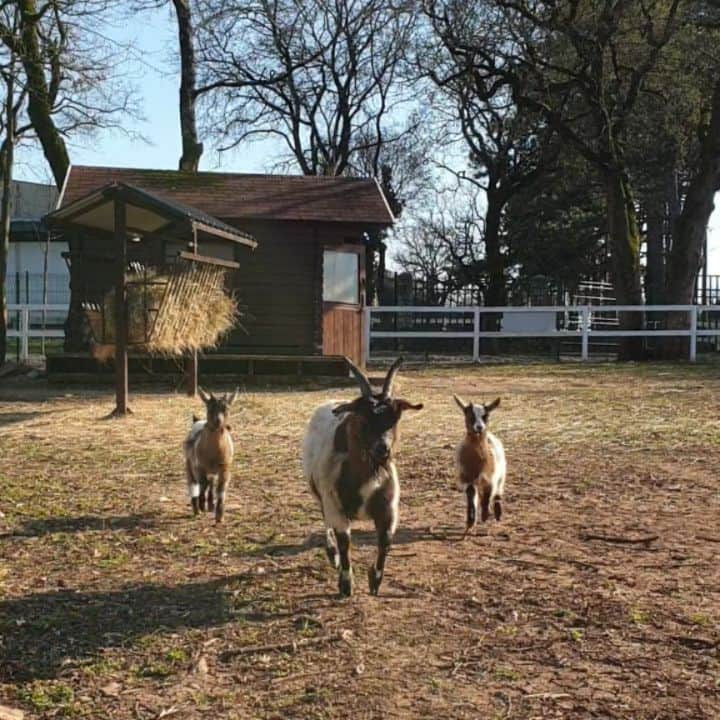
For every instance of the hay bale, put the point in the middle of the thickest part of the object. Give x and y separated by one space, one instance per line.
168 314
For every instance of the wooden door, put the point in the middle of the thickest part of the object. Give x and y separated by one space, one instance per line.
343 290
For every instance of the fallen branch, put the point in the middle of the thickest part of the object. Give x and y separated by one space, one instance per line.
696 643
708 538
619 539
549 696
293 646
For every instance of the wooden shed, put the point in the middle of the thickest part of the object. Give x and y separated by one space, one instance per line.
303 289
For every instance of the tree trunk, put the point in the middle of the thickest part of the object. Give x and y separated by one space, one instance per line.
6 161
40 104
625 248
689 232
6 167
655 270
495 261
191 149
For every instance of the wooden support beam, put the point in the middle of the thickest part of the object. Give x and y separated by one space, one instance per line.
121 355
191 373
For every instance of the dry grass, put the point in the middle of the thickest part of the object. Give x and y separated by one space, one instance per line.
116 603
169 315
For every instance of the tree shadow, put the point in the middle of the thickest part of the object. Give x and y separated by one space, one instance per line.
18 417
84 523
41 632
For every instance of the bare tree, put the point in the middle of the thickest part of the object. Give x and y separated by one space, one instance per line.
321 75
10 126
72 74
582 66
507 149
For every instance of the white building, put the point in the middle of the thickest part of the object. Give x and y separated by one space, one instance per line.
36 269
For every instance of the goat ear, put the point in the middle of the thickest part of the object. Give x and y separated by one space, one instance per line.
402 405
234 396
204 396
345 408
460 402
493 405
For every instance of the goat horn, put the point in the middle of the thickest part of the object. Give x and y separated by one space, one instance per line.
361 378
390 378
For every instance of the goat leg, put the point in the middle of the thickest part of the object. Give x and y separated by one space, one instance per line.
346 576
203 489
193 487
222 483
472 502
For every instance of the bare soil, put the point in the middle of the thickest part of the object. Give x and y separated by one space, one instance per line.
597 596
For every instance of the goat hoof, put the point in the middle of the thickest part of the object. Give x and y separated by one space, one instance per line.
497 509
485 514
374 580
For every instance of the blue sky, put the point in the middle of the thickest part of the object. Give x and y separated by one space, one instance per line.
155 73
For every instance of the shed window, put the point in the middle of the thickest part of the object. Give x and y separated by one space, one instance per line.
341 277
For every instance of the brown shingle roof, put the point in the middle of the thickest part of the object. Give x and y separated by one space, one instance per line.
245 196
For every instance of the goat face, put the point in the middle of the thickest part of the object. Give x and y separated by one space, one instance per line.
476 416
217 408
375 416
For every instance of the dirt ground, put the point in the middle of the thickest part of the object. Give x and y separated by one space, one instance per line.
597 596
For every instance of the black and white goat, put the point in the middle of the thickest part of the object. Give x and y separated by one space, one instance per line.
348 463
209 453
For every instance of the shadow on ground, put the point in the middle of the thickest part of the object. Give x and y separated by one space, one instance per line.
83 523
362 538
42 631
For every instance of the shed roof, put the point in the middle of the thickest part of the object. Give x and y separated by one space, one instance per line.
146 213
246 196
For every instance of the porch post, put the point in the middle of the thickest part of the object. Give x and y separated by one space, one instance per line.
121 357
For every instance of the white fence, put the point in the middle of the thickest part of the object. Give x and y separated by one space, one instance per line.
31 321
544 327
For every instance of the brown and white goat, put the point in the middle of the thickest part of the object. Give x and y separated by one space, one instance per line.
209 455
348 463
481 463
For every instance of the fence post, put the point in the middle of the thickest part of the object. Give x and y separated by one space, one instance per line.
476 334
693 333
24 339
585 327
367 311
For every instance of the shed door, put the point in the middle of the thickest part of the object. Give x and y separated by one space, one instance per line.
343 275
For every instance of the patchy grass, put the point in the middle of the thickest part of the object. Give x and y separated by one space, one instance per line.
115 602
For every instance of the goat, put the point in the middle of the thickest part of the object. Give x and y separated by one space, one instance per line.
348 464
209 454
481 463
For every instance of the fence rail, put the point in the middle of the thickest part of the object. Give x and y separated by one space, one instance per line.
585 332
25 329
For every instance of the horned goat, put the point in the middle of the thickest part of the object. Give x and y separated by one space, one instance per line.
348 464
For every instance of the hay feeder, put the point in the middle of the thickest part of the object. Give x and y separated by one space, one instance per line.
148 286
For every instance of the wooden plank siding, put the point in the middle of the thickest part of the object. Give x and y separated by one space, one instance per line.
280 286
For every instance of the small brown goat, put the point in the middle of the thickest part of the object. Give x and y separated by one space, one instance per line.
209 454
481 463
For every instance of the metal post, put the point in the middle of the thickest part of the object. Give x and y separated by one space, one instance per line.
24 339
585 320
476 334
693 333
121 358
